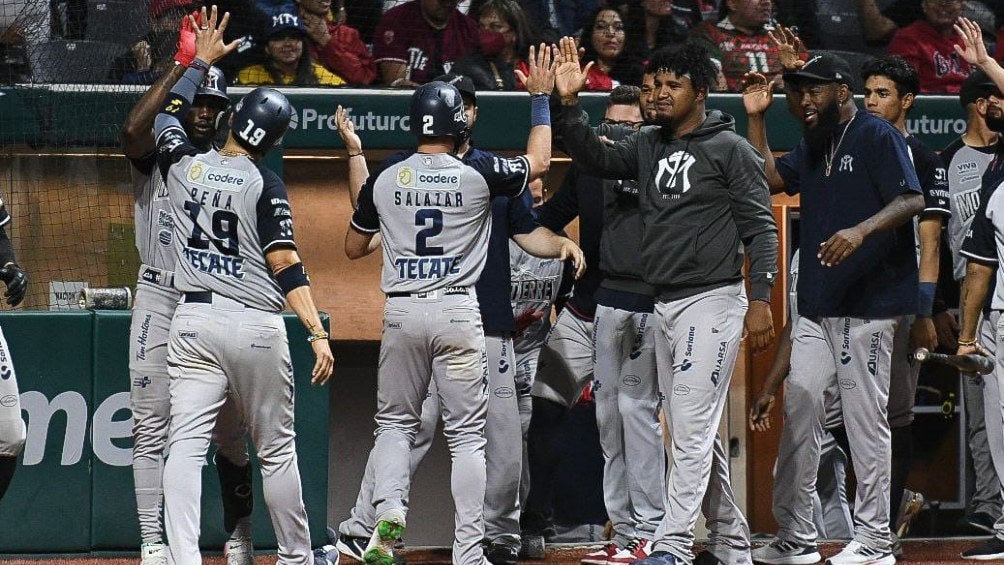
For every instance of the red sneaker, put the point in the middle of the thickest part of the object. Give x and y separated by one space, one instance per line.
638 549
602 555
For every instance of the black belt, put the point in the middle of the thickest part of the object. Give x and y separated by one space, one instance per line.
203 297
450 290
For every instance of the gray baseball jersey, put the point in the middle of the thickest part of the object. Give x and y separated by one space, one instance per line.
154 220
435 233
228 213
964 166
536 283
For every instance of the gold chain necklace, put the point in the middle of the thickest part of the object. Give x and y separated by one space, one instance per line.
833 150
227 153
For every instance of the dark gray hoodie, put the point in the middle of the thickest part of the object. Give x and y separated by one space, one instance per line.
703 197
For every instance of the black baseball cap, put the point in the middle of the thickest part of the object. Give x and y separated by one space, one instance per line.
823 67
463 83
977 85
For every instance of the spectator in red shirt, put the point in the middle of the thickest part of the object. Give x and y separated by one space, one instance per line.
616 53
929 45
421 39
740 40
335 44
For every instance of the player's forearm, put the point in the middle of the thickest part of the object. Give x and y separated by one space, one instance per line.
541 242
994 72
301 302
6 249
538 144
136 134
974 293
757 134
900 210
782 363
176 103
358 173
930 249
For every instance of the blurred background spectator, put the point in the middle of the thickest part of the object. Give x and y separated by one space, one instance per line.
617 54
335 44
660 22
739 40
928 45
23 23
422 39
504 17
287 58
151 55
557 18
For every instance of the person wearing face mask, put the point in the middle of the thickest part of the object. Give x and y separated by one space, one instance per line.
288 59
506 18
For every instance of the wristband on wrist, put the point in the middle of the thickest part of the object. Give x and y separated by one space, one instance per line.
540 111
199 64
966 342
318 336
925 299
351 155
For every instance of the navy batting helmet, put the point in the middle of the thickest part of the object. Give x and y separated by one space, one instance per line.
214 85
437 110
260 119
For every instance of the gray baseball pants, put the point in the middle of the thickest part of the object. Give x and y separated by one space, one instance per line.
150 401
214 348
502 438
626 392
985 433
437 338
565 364
696 344
856 355
12 429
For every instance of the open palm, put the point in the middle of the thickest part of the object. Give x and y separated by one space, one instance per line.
569 77
758 94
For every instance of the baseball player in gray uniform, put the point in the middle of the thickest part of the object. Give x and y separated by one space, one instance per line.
703 198
432 324
966 159
237 267
156 300
12 429
511 218
981 248
864 278
625 385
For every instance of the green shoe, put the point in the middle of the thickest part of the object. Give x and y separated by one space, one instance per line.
380 550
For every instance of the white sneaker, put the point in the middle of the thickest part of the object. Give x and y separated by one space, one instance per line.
783 552
239 551
153 553
857 553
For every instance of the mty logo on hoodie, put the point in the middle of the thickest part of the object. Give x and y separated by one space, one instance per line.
673 177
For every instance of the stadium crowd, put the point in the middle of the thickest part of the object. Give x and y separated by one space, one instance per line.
396 43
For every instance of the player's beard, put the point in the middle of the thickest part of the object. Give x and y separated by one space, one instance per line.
817 137
995 121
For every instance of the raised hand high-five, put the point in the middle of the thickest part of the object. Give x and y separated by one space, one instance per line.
758 94
972 50
570 78
542 64
790 47
209 44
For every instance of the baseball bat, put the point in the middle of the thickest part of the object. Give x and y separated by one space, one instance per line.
972 363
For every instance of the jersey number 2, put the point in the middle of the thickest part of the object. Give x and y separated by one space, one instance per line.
422 217
224 228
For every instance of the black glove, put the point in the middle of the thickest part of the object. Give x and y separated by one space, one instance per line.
17 283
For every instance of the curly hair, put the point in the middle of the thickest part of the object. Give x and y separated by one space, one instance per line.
627 69
896 69
690 59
